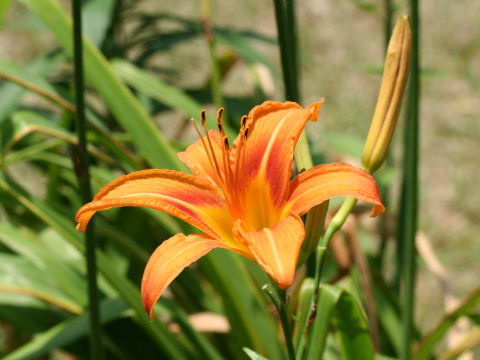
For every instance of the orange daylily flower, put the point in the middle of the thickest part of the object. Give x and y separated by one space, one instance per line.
241 197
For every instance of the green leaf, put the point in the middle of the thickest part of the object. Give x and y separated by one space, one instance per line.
30 247
118 97
24 122
352 329
336 305
96 19
10 70
21 300
67 331
327 300
19 275
303 311
10 93
253 355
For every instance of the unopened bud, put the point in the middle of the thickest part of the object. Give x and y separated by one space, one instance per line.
395 77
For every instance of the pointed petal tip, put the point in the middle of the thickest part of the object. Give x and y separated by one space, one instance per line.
315 109
148 306
285 282
377 210
82 217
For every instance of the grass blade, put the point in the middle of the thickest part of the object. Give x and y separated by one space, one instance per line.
409 200
327 300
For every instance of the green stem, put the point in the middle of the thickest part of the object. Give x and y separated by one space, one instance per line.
285 19
279 299
215 85
83 175
292 50
410 189
335 224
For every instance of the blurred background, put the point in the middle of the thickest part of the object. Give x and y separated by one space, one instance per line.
341 52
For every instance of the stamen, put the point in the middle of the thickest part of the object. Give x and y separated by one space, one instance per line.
225 150
219 121
226 162
242 174
228 167
243 147
243 122
210 154
226 142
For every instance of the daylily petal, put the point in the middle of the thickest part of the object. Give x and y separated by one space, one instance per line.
323 182
276 249
187 197
273 131
168 260
198 161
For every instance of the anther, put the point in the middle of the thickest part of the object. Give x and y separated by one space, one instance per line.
203 118
243 122
245 133
219 121
226 142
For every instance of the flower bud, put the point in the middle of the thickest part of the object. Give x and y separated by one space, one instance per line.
395 77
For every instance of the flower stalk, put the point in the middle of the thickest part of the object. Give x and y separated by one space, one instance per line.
83 175
279 300
409 197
